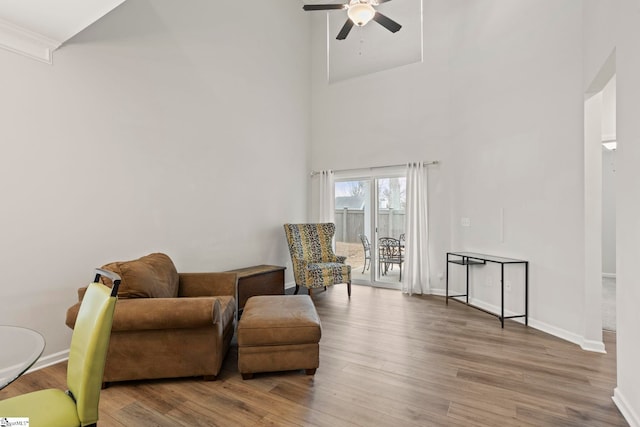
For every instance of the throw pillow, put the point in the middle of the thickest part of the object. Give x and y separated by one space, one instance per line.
152 276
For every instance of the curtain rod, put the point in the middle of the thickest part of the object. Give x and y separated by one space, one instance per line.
433 162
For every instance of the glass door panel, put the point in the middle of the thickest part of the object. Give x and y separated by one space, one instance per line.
353 226
366 210
391 199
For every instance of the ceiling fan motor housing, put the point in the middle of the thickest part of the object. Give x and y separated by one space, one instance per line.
360 12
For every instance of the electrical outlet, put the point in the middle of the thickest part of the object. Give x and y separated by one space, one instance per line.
440 276
489 281
507 286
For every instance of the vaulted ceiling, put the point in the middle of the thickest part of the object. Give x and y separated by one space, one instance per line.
35 28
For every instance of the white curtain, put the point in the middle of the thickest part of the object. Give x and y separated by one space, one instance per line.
327 200
416 257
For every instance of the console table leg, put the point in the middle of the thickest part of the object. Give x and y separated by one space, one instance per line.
526 293
446 281
502 295
467 296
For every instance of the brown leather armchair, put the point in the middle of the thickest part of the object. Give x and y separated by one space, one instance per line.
167 324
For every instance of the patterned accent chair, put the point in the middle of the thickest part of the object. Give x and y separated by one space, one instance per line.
315 265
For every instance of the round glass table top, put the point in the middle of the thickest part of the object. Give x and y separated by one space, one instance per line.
19 349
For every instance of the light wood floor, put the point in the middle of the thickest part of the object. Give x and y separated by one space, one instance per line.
386 359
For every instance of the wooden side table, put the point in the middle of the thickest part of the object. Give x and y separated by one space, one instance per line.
258 280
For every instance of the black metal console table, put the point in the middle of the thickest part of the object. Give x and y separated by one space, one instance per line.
471 258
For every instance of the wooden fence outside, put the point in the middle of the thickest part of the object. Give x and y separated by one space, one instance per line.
350 224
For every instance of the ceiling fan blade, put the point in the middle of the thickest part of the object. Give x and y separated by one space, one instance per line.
344 32
324 6
388 23
382 1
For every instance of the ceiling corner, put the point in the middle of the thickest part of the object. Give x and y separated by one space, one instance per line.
35 28
28 43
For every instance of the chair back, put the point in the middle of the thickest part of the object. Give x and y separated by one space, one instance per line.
311 242
89 344
390 248
366 245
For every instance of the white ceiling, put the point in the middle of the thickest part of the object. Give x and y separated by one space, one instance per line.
373 48
36 28
370 48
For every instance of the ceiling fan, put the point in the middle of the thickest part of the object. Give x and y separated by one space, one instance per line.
360 12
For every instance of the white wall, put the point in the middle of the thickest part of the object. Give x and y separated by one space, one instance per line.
608 212
166 126
609 26
608 180
593 215
390 117
498 100
517 128
628 212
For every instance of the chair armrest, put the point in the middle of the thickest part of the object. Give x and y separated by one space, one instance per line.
207 284
160 313
341 259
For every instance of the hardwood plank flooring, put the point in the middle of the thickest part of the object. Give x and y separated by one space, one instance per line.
386 359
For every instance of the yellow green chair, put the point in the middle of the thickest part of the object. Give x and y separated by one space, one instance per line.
78 406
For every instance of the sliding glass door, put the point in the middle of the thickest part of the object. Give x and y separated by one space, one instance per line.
370 211
353 225
390 214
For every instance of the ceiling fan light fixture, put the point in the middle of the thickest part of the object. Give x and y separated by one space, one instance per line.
361 13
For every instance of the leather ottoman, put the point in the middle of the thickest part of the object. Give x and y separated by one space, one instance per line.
278 333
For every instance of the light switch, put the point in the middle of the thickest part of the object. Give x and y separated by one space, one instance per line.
465 222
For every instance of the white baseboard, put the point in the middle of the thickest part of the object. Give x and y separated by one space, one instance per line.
437 292
588 345
609 275
627 410
585 344
49 360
